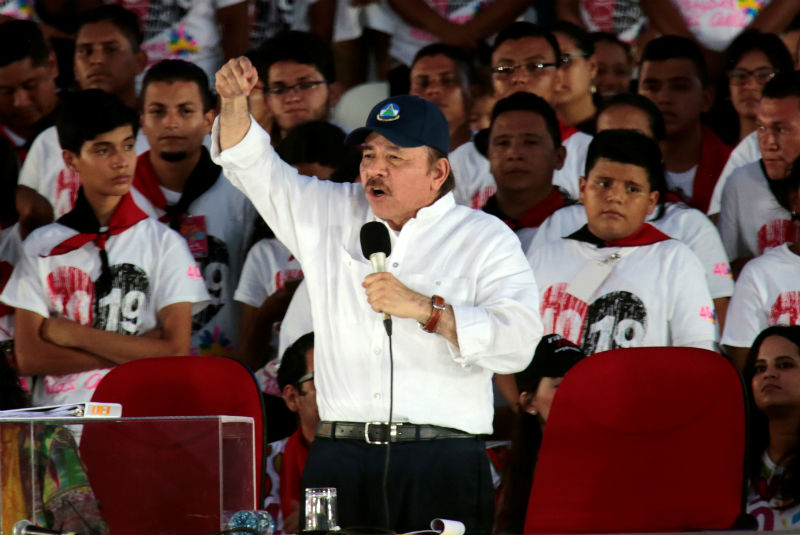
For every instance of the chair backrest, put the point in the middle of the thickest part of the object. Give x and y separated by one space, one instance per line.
642 440
169 386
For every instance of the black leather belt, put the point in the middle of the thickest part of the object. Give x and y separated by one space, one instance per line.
383 433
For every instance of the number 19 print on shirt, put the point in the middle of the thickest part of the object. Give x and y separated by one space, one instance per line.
656 295
616 319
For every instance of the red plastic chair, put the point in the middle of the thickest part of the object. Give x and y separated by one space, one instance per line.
168 386
642 440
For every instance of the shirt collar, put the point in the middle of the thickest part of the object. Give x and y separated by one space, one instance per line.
646 235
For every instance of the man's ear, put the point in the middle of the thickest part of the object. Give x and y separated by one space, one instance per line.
290 395
52 64
208 117
708 98
70 160
561 156
441 170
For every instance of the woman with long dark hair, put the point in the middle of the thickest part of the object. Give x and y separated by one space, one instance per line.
772 373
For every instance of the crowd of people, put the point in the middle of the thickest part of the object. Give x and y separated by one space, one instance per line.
554 181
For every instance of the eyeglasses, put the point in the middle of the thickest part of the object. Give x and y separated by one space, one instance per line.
566 59
740 76
308 85
533 68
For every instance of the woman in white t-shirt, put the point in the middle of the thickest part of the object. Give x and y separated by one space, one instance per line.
772 372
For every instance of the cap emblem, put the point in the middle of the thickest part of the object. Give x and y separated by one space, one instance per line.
390 112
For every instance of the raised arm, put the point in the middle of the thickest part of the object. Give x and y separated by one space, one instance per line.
235 80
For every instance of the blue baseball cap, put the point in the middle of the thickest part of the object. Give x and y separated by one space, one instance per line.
407 121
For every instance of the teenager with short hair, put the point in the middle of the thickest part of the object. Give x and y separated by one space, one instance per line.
673 74
104 284
176 182
618 281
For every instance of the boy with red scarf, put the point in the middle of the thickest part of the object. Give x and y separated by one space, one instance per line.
618 281
104 284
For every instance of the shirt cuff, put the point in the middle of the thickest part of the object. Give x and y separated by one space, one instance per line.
245 153
473 335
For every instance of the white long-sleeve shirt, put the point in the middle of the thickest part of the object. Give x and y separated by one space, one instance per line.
471 259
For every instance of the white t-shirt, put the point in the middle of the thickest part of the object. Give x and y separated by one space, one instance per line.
751 219
745 152
715 23
772 515
229 218
181 29
682 183
349 21
44 171
655 295
475 183
679 221
151 268
297 320
767 293
473 260
10 251
269 265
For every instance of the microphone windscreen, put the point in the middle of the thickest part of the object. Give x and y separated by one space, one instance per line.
375 239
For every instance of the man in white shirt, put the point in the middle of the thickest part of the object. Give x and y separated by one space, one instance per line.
438 383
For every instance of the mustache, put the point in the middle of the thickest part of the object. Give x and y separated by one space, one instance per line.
376 183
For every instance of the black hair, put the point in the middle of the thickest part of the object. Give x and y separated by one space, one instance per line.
301 47
124 20
577 35
606 37
87 114
554 357
789 482
768 43
783 85
524 101
462 60
630 147
178 70
640 102
20 39
522 29
676 47
293 363
323 143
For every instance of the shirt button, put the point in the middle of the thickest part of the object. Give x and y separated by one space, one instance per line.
376 395
395 265
377 351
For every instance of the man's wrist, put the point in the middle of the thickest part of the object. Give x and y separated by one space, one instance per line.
438 307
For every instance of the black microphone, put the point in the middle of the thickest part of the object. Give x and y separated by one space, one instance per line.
26 527
376 246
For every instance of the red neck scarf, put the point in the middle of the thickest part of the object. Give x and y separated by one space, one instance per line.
566 130
535 216
83 219
646 235
713 156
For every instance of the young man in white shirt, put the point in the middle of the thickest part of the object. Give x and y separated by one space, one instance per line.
525 57
107 57
618 281
104 284
177 183
482 318
755 214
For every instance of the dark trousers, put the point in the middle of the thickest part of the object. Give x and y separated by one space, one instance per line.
446 478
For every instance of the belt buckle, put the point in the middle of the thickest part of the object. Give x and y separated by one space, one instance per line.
392 433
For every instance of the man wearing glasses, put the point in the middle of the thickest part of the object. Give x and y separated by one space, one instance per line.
526 57
298 76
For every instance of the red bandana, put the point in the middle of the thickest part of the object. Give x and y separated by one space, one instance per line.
713 156
146 181
125 216
646 235
566 131
540 212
